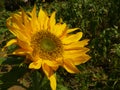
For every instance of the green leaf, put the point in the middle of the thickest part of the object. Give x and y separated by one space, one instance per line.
9 79
61 87
2 59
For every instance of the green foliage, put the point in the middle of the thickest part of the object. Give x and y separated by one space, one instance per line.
100 22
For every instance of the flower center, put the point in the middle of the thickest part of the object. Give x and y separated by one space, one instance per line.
46 45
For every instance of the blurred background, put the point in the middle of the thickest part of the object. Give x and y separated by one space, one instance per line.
99 20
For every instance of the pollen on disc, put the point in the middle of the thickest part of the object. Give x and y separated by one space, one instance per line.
47 45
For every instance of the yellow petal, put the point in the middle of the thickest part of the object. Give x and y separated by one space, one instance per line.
81 59
52 79
52 21
16 31
43 20
26 22
21 24
47 70
59 29
50 75
71 30
34 21
61 20
18 16
21 21
24 45
76 45
70 67
50 63
20 52
12 41
72 38
36 65
54 65
75 53
16 21
24 18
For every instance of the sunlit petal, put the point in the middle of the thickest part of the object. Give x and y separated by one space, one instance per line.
12 41
53 82
52 21
72 38
36 64
43 20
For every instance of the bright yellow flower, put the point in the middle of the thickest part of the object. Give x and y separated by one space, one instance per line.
46 43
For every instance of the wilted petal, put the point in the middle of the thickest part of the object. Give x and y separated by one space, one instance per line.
70 67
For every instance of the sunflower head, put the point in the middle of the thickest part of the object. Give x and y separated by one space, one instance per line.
46 43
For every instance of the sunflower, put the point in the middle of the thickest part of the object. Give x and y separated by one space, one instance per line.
47 44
